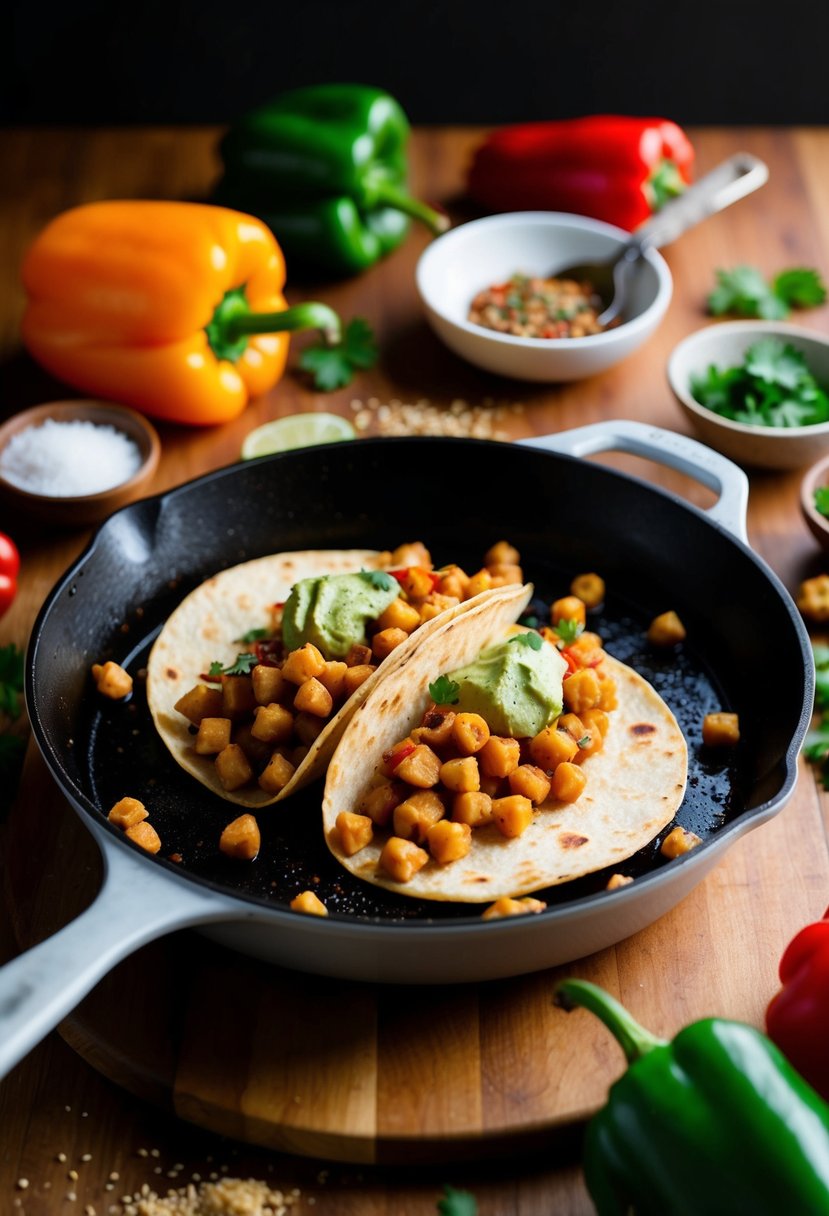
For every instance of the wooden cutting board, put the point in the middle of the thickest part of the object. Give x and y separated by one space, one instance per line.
363 1073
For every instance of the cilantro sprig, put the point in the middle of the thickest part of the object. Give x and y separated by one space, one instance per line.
378 579
745 292
822 500
242 665
333 366
568 630
11 679
816 744
444 691
772 387
457 1203
253 635
532 640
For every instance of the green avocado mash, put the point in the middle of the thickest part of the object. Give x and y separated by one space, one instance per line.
333 611
515 688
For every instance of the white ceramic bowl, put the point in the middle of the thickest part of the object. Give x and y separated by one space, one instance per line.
467 259
724 344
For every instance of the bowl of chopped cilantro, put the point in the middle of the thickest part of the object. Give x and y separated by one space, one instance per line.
758 391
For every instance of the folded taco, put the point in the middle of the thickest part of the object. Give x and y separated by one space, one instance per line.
501 760
255 674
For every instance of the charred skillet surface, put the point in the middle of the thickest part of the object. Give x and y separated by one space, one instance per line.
566 516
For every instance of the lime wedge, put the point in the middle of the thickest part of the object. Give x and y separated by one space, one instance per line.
296 431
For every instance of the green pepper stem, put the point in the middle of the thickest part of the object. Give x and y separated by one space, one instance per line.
634 1040
309 315
386 192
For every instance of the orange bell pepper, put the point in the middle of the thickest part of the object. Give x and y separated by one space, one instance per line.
173 308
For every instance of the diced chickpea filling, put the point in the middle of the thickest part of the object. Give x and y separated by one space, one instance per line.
450 777
678 842
309 903
241 839
131 816
721 730
257 722
111 680
666 630
505 906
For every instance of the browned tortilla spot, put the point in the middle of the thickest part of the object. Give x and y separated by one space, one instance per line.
171 673
642 728
570 841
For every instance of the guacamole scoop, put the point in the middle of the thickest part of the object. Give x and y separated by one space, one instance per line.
514 686
332 611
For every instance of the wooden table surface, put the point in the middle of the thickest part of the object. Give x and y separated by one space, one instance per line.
55 1103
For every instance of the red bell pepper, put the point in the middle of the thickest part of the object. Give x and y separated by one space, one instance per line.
797 1019
607 166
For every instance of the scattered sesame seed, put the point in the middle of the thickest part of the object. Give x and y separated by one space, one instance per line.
114 1175
71 1196
86 1157
142 1152
67 1108
22 1183
72 1175
84 1114
60 1157
154 1152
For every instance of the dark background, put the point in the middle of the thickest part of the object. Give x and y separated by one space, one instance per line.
697 61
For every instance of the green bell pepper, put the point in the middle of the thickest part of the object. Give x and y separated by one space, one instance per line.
714 1123
325 168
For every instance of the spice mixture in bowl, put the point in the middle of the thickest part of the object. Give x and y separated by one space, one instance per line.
532 307
75 462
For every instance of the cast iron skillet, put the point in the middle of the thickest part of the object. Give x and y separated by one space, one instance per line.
566 516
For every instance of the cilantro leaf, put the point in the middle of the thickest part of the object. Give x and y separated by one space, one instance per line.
532 640
11 679
745 292
242 665
457 1203
568 631
800 287
772 387
252 635
333 366
444 691
379 579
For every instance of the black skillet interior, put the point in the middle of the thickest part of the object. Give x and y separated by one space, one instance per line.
746 649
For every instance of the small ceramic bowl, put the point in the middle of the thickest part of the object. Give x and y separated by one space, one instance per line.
471 257
814 479
724 344
82 510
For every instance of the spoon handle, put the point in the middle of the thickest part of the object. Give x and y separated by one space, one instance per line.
736 177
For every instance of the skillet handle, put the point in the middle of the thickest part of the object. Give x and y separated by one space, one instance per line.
134 906
668 448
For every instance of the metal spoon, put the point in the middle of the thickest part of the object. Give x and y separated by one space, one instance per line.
736 177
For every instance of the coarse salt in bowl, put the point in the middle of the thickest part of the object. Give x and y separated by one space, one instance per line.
75 462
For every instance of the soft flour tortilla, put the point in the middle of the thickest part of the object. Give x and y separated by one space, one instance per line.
635 784
204 627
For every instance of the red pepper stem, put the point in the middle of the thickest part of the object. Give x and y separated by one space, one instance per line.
633 1039
309 315
386 192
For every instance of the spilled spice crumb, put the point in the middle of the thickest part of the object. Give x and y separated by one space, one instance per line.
227 1197
424 417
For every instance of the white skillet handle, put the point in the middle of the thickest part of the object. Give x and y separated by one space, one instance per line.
134 906
667 448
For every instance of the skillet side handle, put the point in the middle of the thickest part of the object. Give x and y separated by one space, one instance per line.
675 451
134 906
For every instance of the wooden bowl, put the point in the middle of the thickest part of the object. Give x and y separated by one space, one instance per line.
813 479
83 509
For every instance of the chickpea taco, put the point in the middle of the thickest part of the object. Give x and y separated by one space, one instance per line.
502 760
254 676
